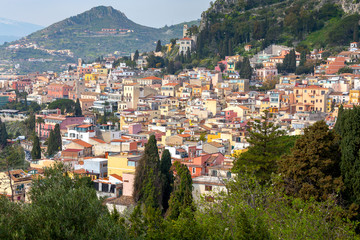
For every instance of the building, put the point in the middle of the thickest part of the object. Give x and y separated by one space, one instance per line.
21 183
186 44
310 98
49 121
58 90
122 163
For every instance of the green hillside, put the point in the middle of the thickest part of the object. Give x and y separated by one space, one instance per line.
228 25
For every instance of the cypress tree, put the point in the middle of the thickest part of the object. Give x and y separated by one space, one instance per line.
171 67
36 150
349 130
147 184
246 70
51 149
136 55
167 177
188 56
356 32
302 58
3 135
158 46
292 61
57 136
78 111
312 168
181 198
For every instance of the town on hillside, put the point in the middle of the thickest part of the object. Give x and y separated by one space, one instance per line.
101 119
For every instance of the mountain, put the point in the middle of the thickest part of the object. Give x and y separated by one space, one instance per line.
228 25
99 31
11 30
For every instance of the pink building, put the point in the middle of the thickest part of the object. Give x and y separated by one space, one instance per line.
43 129
217 68
135 128
59 90
230 114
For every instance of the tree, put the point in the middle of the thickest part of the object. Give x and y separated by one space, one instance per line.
171 67
36 150
345 70
181 198
78 111
302 58
52 145
222 67
167 178
3 135
39 121
312 169
266 147
66 105
349 130
136 55
158 46
356 32
246 70
57 136
147 184
85 218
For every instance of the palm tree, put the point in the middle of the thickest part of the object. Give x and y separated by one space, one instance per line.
40 120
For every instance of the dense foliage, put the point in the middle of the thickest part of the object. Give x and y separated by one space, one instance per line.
312 169
229 26
61 208
66 105
148 185
266 148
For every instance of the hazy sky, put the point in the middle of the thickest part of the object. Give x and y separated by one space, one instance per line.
153 13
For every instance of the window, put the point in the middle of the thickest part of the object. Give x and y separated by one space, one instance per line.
214 173
208 188
131 164
228 174
193 170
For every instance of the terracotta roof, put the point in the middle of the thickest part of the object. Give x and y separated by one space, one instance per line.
186 38
116 176
97 140
152 78
84 126
82 143
217 145
79 171
184 135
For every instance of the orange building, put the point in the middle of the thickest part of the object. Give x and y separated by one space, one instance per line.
310 98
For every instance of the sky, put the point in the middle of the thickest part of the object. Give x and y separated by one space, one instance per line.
152 13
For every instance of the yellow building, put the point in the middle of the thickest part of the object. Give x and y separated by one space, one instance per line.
264 105
211 137
211 105
354 97
122 163
164 109
91 77
196 90
237 153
